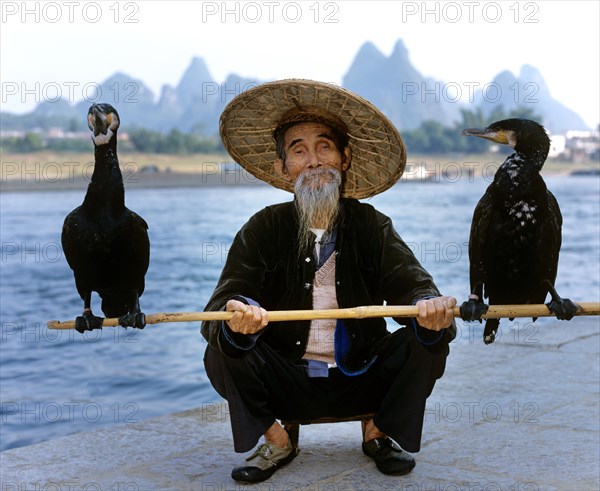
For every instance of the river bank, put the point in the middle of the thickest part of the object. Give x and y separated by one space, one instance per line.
47 171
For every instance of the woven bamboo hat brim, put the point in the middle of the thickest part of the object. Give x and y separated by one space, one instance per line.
248 122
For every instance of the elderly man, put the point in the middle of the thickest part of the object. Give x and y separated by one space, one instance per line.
323 250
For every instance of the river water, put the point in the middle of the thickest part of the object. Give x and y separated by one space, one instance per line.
55 383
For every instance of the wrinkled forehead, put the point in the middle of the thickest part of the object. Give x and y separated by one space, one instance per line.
309 114
303 131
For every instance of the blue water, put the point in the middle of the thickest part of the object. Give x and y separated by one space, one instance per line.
55 383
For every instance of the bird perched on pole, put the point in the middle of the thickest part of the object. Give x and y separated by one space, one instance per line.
105 243
516 229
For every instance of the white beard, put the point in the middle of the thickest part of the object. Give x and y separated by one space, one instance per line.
317 193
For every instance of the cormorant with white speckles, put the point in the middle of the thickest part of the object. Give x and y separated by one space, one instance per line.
516 229
105 243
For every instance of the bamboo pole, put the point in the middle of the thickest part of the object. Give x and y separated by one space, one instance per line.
494 312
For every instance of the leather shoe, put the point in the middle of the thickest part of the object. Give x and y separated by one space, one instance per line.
388 456
265 460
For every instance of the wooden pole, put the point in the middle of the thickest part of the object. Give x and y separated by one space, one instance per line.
494 312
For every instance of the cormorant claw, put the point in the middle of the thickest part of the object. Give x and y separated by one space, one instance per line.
88 322
563 308
133 319
472 310
490 330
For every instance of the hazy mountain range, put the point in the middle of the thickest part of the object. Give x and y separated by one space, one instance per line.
392 83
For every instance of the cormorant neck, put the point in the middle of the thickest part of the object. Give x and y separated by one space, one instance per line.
517 179
535 155
106 187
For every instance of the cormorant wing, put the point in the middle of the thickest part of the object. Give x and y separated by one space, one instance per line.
482 217
69 239
139 246
551 239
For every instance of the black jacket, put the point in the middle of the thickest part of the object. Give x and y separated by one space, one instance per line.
373 265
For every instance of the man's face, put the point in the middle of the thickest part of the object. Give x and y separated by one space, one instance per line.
310 146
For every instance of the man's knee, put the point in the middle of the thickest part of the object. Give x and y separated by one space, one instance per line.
406 352
215 369
222 369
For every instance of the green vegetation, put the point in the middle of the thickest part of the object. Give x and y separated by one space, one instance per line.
175 142
140 140
434 138
430 138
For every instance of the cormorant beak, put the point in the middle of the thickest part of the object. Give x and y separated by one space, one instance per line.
497 136
101 123
98 122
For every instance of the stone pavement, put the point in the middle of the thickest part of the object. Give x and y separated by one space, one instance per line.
520 415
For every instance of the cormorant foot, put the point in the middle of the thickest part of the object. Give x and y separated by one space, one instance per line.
134 319
472 310
563 308
489 336
88 322
490 330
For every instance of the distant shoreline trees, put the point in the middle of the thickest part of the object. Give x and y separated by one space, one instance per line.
140 140
430 137
174 142
433 138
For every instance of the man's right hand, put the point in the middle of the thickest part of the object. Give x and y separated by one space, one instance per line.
247 319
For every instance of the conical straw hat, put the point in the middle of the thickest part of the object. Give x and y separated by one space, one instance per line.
248 122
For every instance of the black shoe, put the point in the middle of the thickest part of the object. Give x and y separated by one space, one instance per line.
388 456
265 461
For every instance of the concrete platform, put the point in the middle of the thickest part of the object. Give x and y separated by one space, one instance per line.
520 415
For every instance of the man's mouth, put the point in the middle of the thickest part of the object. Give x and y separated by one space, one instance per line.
318 175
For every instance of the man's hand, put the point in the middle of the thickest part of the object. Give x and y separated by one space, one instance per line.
436 313
247 319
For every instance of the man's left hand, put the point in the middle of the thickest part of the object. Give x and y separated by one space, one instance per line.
436 313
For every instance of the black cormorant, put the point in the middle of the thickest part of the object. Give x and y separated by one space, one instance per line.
105 243
516 229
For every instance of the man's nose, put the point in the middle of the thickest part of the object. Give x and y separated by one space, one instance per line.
314 160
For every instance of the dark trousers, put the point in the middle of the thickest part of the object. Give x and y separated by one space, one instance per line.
261 386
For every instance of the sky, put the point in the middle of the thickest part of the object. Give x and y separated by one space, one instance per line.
68 47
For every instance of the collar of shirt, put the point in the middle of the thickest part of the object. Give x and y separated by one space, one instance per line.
324 247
